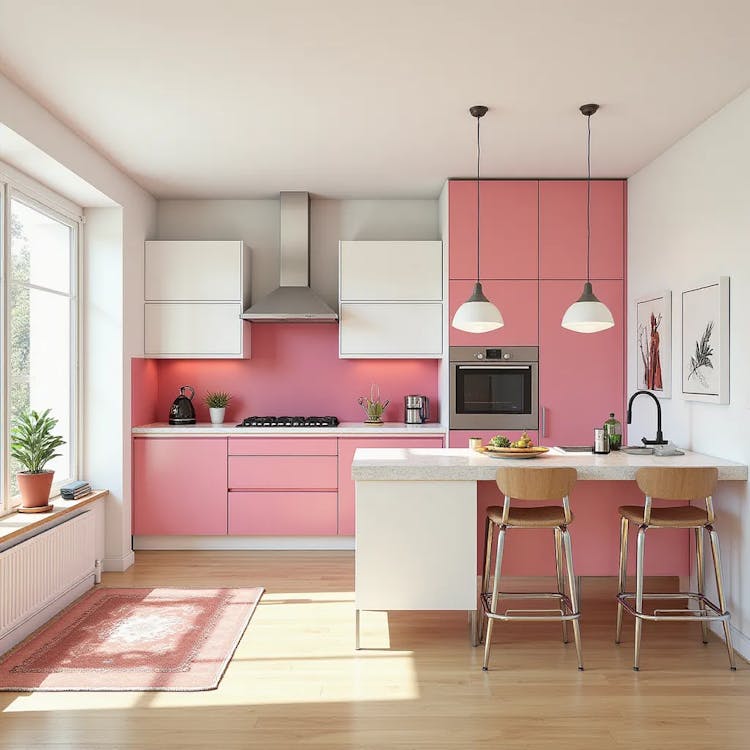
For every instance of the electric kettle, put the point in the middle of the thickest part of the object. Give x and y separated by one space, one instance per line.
182 410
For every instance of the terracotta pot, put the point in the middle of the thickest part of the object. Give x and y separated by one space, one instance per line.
35 488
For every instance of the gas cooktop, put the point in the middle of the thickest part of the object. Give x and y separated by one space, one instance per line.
289 422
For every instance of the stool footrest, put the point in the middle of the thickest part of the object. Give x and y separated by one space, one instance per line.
563 614
708 611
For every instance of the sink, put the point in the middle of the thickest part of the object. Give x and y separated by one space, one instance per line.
576 448
637 450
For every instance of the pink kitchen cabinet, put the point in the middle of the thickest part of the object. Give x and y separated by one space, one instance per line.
282 486
562 229
518 302
581 375
282 513
347 447
180 486
509 229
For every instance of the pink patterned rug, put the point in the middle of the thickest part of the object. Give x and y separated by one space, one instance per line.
134 639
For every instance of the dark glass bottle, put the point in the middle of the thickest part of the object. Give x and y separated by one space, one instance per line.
613 428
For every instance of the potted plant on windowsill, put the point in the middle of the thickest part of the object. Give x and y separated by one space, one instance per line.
217 402
33 445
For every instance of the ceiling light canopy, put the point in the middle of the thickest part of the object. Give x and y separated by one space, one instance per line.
478 314
587 314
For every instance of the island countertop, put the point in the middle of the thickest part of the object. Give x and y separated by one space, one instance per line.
465 464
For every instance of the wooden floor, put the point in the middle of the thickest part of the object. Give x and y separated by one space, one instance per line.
297 682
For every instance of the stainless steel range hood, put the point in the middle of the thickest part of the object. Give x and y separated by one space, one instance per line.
293 300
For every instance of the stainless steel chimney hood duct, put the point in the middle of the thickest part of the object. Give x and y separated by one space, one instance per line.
293 300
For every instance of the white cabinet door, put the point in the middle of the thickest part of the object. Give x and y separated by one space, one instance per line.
391 271
177 270
391 329
195 329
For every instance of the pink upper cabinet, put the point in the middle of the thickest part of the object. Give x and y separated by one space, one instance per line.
508 210
562 229
517 301
581 375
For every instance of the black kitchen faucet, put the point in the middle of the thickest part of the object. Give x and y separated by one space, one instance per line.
659 437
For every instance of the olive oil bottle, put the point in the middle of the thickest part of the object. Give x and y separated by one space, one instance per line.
613 429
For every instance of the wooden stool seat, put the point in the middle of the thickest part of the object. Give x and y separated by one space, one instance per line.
543 484
546 517
672 483
682 517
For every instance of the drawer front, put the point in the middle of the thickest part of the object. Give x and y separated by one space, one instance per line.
283 472
282 446
282 513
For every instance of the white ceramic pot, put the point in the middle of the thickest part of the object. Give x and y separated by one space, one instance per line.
217 415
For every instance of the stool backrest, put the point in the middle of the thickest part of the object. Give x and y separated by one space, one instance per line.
677 483
536 484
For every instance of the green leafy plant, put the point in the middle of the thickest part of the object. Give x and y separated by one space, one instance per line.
703 353
217 399
32 443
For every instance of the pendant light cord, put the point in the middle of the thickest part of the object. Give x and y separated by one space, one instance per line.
478 230
588 200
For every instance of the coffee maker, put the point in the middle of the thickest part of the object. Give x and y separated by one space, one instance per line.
416 409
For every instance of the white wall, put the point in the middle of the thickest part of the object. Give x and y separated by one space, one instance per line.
257 223
689 220
122 310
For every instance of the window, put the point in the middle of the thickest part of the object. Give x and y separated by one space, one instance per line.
39 370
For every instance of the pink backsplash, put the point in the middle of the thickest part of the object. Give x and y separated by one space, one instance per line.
144 385
294 370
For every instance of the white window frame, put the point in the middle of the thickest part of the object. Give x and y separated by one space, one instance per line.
41 199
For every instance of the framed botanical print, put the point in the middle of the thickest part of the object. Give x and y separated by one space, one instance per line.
705 342
654 350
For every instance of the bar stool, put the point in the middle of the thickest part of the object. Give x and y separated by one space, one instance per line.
531 484
672 484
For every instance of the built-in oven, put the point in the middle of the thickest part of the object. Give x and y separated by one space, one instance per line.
494 388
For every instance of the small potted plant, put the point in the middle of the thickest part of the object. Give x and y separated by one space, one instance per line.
33 445
217 401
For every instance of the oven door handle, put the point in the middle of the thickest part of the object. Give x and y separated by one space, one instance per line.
544 421
492 366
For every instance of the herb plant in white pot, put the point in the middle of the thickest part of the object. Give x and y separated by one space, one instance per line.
33 445
217 402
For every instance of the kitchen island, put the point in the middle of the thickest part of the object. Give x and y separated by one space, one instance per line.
416 511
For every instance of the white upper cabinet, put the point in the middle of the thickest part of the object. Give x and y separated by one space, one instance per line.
195 292
391 271
391 299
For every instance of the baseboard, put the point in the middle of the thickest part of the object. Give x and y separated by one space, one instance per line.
243 542
39 618
118 564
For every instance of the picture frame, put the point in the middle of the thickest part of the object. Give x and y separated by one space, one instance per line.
705 342
654 343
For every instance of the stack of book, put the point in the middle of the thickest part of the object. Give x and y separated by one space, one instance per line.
75 490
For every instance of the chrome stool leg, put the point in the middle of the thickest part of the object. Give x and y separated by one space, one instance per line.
623 573
489 531
560 577
572 587
495 597
714 538
639 594
699 571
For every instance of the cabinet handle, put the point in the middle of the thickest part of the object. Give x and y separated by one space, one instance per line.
544 421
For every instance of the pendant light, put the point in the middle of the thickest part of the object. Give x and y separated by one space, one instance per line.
477 314
587 314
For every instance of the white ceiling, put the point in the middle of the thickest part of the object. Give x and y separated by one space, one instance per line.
344 98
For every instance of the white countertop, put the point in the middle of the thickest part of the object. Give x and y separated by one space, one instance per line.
461 464
203 429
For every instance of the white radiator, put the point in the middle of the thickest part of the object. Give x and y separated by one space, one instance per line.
42 570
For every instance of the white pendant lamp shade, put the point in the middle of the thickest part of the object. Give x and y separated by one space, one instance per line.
477 314
587 314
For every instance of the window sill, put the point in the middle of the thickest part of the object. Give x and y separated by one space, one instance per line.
16 524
